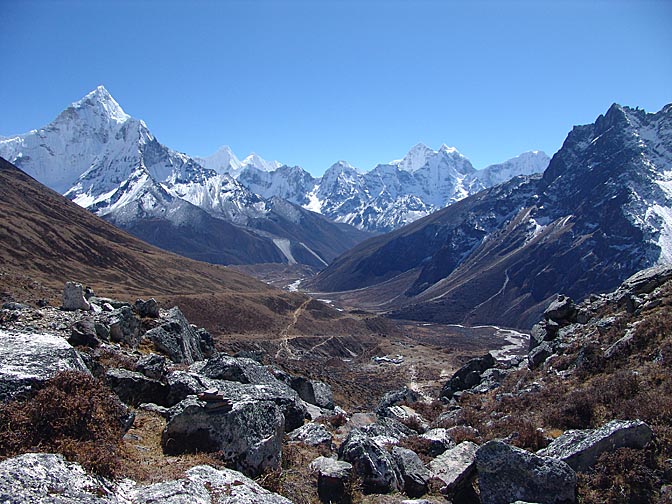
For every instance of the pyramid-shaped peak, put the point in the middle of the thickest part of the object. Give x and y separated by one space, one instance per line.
101 101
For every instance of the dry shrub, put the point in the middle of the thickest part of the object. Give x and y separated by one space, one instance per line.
420 445
413 422
525 434
575 410
622 476
429 410
336 420
72 414
462 433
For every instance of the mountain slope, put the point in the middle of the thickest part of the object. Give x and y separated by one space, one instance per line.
601 211
107 161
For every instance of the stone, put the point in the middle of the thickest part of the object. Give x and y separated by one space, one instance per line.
149 308
387 431
414 473
313 391
580 449
83 333
455 467
646 281
406 415
539 355
249 436
48 478
207 343
264 388
439 439
153 366
468 375
124 327
135 388
507 473
28 359
376 467
397 397
176 338
73 297
333 478
312 434
562 310
241 370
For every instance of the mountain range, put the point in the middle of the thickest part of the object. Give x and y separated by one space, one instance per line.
601 211
223 210
109 162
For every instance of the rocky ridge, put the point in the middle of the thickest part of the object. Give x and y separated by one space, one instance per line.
508 425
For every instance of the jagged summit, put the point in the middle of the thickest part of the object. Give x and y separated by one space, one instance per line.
102 101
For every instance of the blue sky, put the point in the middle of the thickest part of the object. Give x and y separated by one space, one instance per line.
312 82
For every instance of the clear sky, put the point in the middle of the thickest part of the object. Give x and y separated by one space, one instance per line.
313 82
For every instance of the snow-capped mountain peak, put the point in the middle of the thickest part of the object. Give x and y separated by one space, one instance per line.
101 102
256 161
222 161
415 159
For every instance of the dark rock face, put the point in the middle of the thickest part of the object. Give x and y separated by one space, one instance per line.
468 375
124 327
176 338
152 366
28 359
249 435
136 388
149 308
580 449
332 479
414 473
372 463
455 467
507 474
313 391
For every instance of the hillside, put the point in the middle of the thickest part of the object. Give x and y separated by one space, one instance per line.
601 211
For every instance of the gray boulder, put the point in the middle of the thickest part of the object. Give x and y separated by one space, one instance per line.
468 375
73 297
29 359
507 474
135 388
646 281
376 467
182 384
539 355
414 473
387 431
49 479
562 310
455 467
333 478
153 366
440 440
397 397
249 435
580 449
124 327
176 338
241 370
206 485
83 332
311 434
149 308
313 391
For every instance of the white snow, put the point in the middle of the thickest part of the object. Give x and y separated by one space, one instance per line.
285 247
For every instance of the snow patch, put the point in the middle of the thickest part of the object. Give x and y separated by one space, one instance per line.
284 246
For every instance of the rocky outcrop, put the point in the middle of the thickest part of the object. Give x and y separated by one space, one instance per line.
136 388
468 375
455 467
152 366
73 297
149 308
413 472
313 391
507 474
580 449
31 358
124 327
249 435
48 478
176 338
333 478
312 434
376 467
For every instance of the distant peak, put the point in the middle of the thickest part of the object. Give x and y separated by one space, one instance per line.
101 99
449 150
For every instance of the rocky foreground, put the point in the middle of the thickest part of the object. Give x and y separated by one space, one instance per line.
551 427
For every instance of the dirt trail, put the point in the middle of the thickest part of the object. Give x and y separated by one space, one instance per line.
284 347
